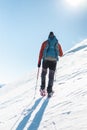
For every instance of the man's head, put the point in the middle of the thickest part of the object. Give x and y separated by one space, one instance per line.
51 35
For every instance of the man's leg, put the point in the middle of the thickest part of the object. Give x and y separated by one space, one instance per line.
43 78
51 80
43 74
52 68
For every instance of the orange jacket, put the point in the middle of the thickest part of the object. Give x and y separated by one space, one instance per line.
42 49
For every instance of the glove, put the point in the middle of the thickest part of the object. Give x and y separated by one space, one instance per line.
39 65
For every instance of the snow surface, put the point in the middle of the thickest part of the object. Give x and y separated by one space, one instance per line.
22 107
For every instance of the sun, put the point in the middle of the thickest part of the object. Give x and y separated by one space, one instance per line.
75 3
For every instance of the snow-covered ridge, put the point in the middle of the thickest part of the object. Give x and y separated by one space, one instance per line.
22 107
78 47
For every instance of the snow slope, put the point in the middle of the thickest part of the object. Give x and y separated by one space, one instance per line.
22 108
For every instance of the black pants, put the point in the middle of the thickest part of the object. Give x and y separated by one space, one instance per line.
51 65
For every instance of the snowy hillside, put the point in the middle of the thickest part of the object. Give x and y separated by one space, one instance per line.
22 108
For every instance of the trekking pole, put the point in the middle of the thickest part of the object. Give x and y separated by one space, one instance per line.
36 82
37 76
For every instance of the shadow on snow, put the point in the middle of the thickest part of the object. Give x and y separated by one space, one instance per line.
37 119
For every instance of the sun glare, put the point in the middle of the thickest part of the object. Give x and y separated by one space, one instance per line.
75 3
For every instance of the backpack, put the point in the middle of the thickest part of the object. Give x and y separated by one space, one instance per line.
51 51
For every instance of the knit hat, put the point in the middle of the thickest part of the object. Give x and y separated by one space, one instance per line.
51 33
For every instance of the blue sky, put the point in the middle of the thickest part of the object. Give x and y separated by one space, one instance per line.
25 24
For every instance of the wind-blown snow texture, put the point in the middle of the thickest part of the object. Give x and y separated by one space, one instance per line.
22 108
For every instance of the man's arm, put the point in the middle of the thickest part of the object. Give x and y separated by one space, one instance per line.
41 53
60 50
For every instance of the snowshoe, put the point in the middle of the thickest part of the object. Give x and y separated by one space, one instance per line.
50 94
43 92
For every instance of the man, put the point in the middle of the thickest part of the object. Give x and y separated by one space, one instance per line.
49 52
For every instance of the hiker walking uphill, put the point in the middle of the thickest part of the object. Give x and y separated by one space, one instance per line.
49 52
